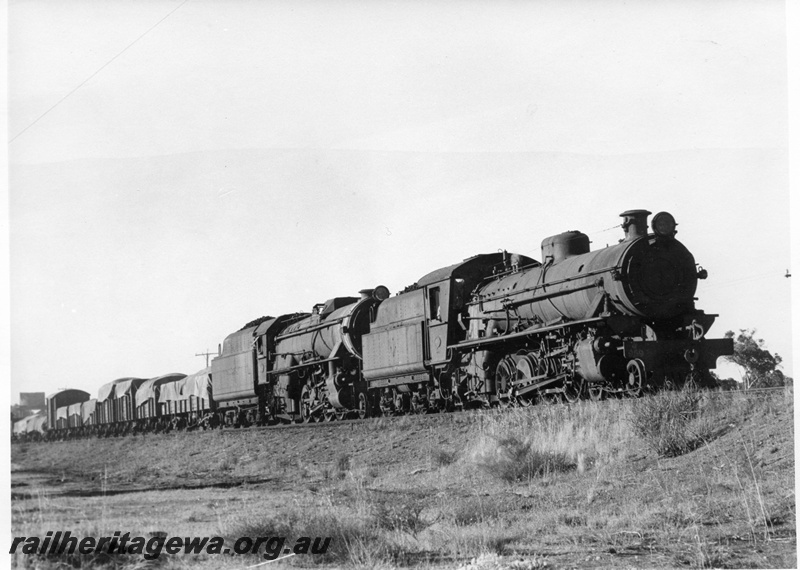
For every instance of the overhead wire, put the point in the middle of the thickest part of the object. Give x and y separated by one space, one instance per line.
741 280
101 68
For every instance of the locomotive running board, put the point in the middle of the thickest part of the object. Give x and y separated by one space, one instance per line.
527 332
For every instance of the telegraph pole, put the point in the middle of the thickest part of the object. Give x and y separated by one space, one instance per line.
207 354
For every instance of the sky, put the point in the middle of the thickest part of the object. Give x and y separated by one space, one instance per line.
179 168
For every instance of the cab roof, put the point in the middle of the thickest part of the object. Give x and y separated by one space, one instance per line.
482 263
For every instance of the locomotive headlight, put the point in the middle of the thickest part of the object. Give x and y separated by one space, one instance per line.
664 225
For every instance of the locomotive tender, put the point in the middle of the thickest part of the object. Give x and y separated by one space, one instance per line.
496 329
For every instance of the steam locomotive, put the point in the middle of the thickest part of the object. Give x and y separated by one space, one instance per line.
496 329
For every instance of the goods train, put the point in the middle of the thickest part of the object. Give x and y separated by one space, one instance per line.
496 329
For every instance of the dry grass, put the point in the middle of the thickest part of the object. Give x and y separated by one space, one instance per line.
672 423
548 486
512 459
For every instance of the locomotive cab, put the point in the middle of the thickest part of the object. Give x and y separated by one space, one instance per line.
408 350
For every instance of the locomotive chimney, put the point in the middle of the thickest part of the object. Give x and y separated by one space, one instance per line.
634 223
379 293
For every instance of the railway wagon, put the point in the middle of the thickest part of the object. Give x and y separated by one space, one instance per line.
150 415
74 417
19 428
57 406
30 428
89 416
189 402
62 419
116 410
37 425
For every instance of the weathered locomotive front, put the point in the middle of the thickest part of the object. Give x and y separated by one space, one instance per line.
615 319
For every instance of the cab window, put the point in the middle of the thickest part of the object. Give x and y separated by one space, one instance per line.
436 310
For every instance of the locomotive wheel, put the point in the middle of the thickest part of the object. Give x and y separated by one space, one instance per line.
305 406
573 390
636 378
329 416
363 405
505 374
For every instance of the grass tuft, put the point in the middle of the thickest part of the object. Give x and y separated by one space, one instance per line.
512 459
442 457
399 515
354 540
671 423
342 465
476 510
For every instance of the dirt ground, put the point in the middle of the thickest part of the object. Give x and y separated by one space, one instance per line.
435 491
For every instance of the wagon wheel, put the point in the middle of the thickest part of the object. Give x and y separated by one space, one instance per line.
305 405
636 378
363 405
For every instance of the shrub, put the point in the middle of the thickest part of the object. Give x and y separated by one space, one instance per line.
475 511
354 540
511 459
342 465
671 423
442 457
399 515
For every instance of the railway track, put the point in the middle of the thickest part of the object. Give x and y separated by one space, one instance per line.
434 418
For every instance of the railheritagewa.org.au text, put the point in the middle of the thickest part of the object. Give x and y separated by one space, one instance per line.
56 543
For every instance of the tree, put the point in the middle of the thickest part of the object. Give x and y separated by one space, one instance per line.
760 365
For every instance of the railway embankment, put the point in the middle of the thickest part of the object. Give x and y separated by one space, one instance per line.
697 480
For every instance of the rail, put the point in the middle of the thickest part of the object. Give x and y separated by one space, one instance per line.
431 417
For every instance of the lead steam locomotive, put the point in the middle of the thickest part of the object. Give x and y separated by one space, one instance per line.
496 329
